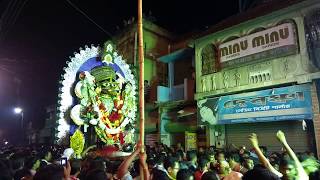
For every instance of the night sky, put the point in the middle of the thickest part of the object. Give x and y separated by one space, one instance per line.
35 45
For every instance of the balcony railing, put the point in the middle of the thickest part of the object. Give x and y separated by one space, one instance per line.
183 91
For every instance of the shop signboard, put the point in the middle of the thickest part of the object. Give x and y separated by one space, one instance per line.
286 103
270 43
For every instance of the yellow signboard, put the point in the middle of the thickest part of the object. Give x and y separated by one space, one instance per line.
190 141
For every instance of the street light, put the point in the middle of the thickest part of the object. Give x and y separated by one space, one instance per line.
19 110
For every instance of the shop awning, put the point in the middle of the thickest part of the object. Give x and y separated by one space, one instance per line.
176 127
177 55
183 113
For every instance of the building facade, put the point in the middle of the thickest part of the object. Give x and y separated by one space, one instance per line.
47 133
156 43
261 75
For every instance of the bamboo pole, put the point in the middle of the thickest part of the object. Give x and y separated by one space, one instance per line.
141 71
141 80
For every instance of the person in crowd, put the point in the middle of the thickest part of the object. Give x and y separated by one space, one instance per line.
159 175
46 158
185 174
23 174
5 172
159 165
17 162
260 172
180 156
233 160
96 175
253 138
164 163
298 171
203 167
179 147
286 167
51 172
220 156
201 152
32 164
147 89
192 160
274 159
151 162
75 168
123 170
210 175
247 163
172 167
226 173
223 168
310 164
212 159
143 164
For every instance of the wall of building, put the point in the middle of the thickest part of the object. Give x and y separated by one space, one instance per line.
156 43
283 69
274 71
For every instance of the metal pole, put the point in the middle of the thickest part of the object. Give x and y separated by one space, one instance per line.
22 130
22 120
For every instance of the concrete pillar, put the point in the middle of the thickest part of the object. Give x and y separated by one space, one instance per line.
316 116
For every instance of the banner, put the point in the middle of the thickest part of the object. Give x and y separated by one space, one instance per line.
286 103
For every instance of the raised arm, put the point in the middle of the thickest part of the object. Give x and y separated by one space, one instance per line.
124 166
265 162
143 157
302 175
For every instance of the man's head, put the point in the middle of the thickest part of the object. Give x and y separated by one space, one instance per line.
223 167
263 149
52 172
210 175
159 160
220 156
203 164
211 157
185 174
287 168
172 166
201 149
179 146
192 156
146 82
248 163
46 155
242 150
261 173
179 154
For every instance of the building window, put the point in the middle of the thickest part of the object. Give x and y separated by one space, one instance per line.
208 59
312 27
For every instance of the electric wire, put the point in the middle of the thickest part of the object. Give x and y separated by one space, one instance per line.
83 13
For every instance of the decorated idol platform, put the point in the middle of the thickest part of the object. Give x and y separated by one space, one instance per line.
97 100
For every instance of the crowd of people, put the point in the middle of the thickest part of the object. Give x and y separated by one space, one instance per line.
161 162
